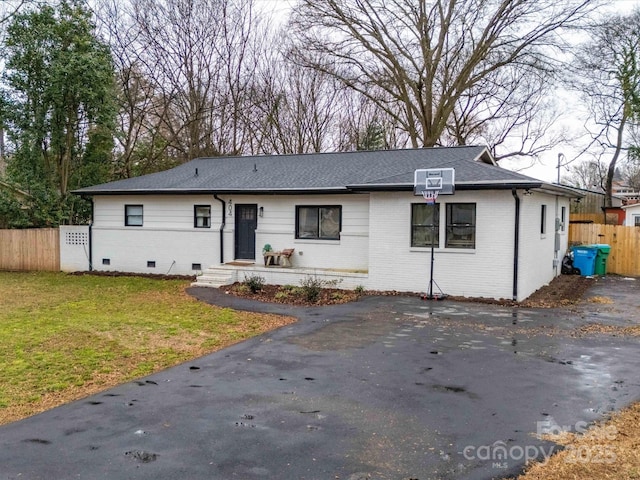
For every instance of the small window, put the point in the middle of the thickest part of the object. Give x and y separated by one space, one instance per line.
151 264
461 225
196 266
202 216
636 220
563 218
133 215
106 261
425 225
322 222
543 219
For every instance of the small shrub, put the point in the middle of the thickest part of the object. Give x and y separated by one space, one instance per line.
254 282
337 296
281 295
359 290
288 288
242 289
297 291
311 288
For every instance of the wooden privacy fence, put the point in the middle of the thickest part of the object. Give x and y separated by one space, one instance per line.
32 249
624 258
588 218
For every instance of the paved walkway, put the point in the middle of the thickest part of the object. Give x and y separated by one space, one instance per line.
383 388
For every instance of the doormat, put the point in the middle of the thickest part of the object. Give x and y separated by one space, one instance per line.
240 264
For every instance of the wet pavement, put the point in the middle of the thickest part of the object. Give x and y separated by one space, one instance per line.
383 388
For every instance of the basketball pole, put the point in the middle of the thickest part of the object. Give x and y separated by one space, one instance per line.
433 232
430 182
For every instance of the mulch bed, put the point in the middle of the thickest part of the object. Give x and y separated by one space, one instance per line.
292 296
563 291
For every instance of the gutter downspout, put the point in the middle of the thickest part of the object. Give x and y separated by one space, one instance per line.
222 225
516 244
91 238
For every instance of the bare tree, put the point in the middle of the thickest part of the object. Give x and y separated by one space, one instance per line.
608 75
590 175
445 71
186 68
296 109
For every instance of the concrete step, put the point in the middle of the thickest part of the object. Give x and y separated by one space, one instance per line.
215 277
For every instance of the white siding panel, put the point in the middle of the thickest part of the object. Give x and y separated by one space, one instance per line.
168 233
630 215
173 251
167 236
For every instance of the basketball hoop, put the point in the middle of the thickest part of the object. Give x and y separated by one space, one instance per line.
430 196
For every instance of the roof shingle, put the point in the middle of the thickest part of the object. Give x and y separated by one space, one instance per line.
342 171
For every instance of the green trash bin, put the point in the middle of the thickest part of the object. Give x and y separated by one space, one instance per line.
601 258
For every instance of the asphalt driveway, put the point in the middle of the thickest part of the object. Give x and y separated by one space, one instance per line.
383 388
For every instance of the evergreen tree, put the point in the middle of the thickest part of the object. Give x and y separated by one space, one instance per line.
60 90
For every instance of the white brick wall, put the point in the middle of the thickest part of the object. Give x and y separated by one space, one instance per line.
536 267
485 271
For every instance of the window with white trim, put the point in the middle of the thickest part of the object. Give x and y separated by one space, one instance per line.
202 216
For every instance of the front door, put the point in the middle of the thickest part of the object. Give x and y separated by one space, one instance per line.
246 224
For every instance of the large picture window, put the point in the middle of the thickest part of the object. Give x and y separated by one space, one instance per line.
319 222
133 215
461 225
202 216
425 225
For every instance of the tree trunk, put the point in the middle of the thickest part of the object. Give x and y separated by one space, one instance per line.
608 198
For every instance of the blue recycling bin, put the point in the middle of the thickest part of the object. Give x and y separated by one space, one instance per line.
584 258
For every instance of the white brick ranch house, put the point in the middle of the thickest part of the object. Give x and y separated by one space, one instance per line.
352 216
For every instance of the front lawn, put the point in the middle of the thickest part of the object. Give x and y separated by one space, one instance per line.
63 337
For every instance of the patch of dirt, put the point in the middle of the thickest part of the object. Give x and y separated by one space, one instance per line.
157 276
563 291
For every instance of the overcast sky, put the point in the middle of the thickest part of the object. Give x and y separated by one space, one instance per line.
546 167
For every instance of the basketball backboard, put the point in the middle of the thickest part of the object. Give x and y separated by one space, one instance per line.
441 180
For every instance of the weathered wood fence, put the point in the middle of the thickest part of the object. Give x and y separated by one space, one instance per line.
31 249
624 258
588 218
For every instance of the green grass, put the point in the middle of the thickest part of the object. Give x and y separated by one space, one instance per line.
65 336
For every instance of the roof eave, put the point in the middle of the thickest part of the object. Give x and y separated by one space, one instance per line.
458 186
210 191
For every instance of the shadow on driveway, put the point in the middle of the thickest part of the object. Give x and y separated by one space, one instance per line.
383 388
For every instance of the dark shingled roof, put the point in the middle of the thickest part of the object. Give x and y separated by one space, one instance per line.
321 172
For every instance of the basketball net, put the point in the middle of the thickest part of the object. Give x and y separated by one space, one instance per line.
430 196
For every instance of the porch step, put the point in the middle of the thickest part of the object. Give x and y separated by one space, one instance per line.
215 277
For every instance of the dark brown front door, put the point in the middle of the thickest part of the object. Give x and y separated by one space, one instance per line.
246 224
